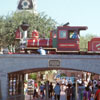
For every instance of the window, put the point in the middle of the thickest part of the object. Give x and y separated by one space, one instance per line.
54 35
73 35
62 34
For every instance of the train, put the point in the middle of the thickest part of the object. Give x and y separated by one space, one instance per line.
64 39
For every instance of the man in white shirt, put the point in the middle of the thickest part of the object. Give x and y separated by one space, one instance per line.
41 51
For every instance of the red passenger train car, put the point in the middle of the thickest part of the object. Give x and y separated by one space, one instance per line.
94 45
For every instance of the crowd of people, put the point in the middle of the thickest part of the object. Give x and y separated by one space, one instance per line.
73 91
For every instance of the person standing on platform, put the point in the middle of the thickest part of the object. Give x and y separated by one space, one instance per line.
41 51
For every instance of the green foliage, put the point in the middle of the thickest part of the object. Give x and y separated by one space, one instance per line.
84 41
25 81
63 75
9 24
40 22
33 76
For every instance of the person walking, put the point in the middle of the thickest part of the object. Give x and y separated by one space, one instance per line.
42 91
50 90
35 93
69 92
57 91
81 89
97 94
73 92
87 94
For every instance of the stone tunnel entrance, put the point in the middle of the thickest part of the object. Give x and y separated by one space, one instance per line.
16 66
16 82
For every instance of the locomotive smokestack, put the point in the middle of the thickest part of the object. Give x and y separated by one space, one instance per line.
23 40
24 27
66 24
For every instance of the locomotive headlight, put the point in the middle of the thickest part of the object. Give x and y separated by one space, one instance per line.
25 4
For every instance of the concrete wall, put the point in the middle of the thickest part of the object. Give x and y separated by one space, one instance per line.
13 63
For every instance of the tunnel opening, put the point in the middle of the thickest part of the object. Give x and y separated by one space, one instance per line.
18 79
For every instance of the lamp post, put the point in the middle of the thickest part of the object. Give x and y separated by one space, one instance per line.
76 89
47 90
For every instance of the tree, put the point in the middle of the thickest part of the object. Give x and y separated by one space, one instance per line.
9 24
63 75
41 22
33 76
84 41
6 32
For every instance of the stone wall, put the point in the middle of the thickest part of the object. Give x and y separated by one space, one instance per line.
27 63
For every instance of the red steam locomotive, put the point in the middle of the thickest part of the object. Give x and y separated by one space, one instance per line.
65 39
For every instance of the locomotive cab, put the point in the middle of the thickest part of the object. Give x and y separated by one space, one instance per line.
68 38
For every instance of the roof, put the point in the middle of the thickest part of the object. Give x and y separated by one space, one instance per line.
74 27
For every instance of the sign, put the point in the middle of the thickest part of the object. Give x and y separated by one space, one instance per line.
54 63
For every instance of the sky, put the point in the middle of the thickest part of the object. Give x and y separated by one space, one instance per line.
76 12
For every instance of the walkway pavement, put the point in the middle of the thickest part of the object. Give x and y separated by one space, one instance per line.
62 97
